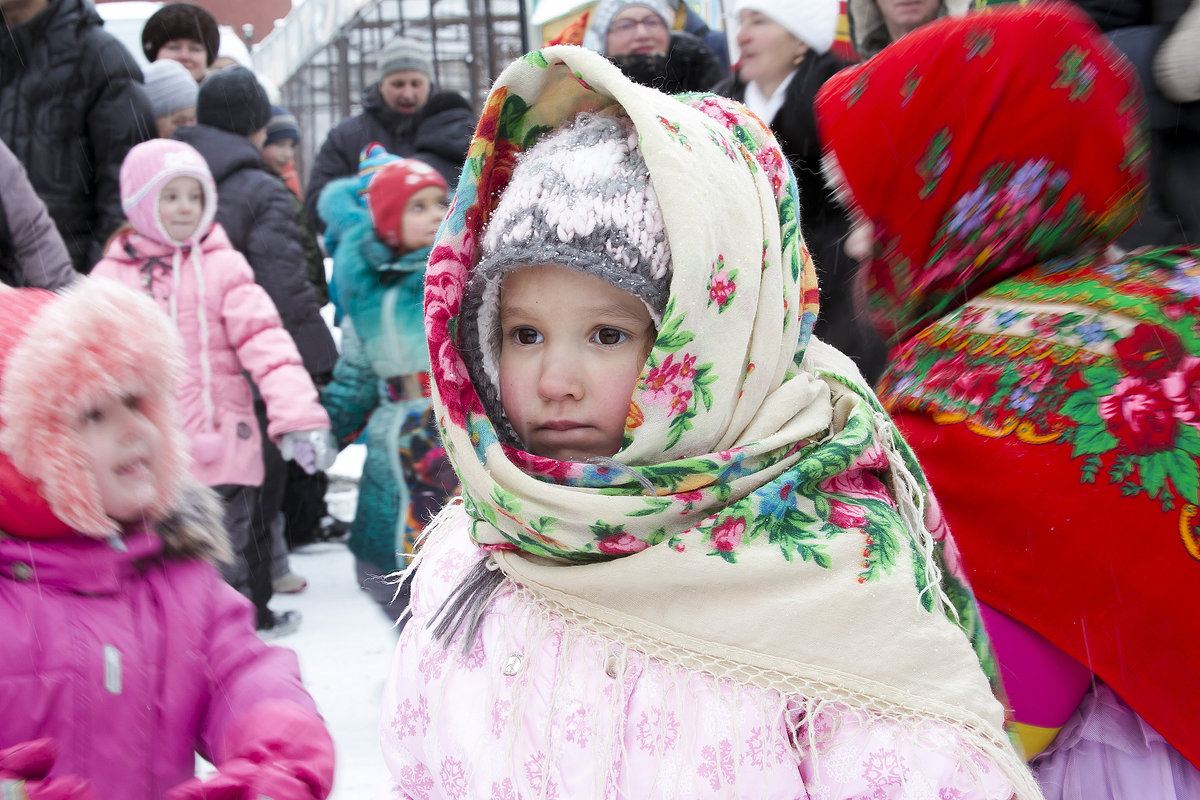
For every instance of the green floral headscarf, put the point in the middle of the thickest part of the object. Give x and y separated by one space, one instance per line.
763 521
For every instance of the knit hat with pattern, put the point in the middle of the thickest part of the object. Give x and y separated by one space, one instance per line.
580 198
282 125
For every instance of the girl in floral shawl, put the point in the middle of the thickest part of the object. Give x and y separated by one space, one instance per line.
693 558
1050 387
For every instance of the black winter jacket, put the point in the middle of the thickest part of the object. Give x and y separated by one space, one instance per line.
688 66
71 107
438 134
258 211
823 221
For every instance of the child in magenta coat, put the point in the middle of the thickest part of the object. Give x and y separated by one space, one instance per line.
124 653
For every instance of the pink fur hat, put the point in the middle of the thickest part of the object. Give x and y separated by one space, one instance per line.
59 355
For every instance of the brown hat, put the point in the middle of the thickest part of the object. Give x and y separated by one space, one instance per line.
181 21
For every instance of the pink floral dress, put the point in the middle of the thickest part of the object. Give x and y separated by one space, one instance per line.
459 725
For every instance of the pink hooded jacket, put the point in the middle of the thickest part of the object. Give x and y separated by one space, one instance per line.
226 321
124 652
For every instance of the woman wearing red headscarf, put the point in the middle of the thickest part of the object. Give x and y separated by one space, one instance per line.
1050 387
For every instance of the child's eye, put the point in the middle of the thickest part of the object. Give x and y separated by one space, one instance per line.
93 415
132 402
526 336
610 336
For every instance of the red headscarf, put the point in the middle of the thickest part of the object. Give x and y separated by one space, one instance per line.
970 124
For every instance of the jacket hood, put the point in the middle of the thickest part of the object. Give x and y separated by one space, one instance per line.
146 171
224 152
868 32
59 356
973 191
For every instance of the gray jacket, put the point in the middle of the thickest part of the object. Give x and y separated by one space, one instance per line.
31 251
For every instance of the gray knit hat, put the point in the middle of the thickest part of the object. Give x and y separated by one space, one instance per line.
580 198
402 55
170 86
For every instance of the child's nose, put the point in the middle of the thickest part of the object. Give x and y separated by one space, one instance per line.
561 375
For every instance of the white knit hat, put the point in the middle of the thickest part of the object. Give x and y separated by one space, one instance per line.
813 22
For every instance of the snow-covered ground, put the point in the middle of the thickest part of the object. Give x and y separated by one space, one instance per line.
344 643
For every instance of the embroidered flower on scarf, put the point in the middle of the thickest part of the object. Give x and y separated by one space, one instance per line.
722 285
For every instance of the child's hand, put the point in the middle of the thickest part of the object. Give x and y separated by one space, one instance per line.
23 770
313 450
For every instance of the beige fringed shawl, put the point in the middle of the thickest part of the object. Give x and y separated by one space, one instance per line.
763 522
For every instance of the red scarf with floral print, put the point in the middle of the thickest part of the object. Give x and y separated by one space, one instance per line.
1052 393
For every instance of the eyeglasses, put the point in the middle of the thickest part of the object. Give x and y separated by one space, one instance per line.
651 23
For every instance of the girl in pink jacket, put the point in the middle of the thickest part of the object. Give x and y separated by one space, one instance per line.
124 653
174 252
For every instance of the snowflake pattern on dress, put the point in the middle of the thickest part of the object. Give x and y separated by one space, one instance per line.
656 734
717 763
411 719
535 769
577 726
503 791
882 771
454 778
415 782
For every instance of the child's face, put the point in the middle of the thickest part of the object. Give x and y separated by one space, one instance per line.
180 206
168 123
279 154
422 215
121 446
571 351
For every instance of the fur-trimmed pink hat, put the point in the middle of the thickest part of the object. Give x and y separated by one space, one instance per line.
150 166
59 356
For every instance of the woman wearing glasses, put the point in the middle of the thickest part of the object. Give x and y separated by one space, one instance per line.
638 38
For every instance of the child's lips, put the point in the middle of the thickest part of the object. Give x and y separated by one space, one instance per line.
136 468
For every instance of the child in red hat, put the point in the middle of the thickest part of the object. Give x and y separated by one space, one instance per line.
380 226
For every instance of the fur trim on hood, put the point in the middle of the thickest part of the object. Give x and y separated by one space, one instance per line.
195 527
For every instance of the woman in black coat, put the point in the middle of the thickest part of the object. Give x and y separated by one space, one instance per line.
784 60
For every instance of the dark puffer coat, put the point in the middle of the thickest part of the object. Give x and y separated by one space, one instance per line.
71 107
825 223
438 134
259 213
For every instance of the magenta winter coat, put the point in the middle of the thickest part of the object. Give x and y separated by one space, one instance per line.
243 332
134 660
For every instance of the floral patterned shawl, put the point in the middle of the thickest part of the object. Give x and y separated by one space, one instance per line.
763 522
1051 391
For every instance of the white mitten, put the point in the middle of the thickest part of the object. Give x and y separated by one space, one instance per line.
313 450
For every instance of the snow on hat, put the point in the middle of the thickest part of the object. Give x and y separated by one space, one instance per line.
580 198
282 125
813 22
388 193
234 101
596 36
147 168
170 87
181 21
403 55
96 339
